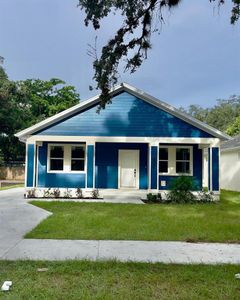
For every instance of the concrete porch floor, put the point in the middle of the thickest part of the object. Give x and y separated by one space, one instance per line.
123 195
107 196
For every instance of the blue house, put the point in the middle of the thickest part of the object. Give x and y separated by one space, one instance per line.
136 143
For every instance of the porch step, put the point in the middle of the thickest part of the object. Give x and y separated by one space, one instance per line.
124 195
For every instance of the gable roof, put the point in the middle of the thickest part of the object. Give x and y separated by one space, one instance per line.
22 135
232 144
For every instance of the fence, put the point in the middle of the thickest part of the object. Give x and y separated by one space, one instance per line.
12 171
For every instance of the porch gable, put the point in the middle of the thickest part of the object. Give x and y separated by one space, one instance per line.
128 116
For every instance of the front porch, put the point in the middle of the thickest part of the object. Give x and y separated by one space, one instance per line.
125 164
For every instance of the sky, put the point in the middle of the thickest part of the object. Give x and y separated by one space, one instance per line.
194 60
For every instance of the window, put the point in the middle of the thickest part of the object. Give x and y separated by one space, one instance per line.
56 158
175 160
163 160
183 160
66 158
77 158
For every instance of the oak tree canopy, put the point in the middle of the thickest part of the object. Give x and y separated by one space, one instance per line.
139 16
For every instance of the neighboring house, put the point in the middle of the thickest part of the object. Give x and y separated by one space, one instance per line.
136 143
230 165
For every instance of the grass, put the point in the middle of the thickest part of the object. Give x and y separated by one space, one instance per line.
7 187
112 280
182 222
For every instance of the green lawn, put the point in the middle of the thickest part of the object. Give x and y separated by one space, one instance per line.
11 187
218 222
112 280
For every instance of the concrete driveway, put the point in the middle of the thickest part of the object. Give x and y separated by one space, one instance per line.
17 217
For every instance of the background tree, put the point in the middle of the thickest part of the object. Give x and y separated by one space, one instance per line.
234 129
223 116
24 103
134 36
196 111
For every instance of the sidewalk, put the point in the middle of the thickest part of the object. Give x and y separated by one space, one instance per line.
139 251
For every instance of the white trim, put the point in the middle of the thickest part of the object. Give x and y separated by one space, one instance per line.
158 167
94 166
37 147
34 149
219 169
203 168
149 166
172 160
137 168
66 158
215 142
22 135
210 171
34 165
86 161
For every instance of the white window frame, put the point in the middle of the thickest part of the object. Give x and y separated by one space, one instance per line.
67 158
172 160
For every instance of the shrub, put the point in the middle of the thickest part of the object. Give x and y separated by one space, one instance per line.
67 193
56 193
151 197
79 193
31 193
95 194
47 193
154 198
181 190
159 197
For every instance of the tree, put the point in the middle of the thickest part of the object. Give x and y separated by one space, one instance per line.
9 117
24 103
139 16
3 75
196 111
41 99
234 129
224 113
221 116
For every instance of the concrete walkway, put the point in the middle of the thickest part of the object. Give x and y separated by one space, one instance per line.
140 251
18 217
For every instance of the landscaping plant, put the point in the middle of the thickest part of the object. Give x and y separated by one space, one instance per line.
95 194
56 193
181 190
79 193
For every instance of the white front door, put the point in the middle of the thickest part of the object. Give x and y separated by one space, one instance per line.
128 169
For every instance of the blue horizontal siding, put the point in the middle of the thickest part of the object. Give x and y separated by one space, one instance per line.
106 164
126 116
197 172
60 180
